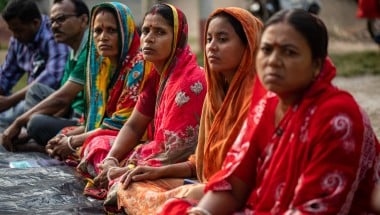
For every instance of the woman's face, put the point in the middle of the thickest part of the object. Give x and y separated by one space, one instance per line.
224 48
284 61
106 36
156 40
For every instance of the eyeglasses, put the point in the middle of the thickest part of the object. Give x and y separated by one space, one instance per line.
61 19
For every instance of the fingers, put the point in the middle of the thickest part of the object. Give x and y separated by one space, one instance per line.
57 147
135 174
8 146
101 180
6 140
126 179
123 177
11 132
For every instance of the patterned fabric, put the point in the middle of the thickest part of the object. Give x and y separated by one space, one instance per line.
174 100
322 158
43 60
111 98
177 94
143 198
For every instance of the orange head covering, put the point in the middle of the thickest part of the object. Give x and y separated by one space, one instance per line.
224 112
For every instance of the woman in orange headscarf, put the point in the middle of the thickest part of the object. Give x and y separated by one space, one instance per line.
231 41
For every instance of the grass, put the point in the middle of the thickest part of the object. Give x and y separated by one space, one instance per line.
358 63
20 84
348 64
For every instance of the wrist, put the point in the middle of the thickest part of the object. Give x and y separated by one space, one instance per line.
191 168
76 141
69 144
198 211
111 159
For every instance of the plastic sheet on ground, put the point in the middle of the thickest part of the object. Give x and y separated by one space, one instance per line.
42 190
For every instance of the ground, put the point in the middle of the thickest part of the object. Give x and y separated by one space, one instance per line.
367 93
347 34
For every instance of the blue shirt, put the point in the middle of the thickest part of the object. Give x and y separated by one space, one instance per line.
43 60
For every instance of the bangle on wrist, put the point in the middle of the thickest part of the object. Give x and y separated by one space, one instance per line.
112 159
69 144
192 169
198 211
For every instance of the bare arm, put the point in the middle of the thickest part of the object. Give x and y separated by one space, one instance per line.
14 129
58 146
129 135
232 200
11 100
53 103
140 173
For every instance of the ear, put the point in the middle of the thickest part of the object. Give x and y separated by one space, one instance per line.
84 19
317 66
36 23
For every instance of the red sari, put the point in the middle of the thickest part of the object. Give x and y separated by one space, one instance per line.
368 9
322 158
173 99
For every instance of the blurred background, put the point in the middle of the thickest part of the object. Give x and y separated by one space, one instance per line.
338 15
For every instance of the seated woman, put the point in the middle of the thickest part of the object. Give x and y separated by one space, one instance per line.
170 102
306 146
114 76
231 43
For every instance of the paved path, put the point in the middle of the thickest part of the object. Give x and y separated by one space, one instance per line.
366 91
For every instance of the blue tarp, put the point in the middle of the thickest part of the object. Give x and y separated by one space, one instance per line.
51 189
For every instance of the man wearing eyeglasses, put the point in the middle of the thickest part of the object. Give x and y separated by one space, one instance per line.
63 107
32 50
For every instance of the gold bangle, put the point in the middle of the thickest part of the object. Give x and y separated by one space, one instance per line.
69 144
198 211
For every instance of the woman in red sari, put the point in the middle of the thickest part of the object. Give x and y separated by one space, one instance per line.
169 105
306 146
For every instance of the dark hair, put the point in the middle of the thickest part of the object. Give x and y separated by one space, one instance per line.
109 10
167 12
25 10
164 10
105 9
235 24
80 7
310 26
